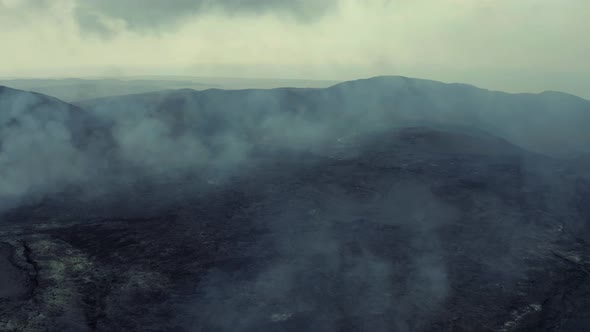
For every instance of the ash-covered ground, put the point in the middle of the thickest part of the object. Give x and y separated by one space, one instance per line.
113 223
395 237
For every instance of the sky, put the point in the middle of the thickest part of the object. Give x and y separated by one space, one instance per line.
511 45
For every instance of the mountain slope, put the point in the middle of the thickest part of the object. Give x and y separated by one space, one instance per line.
550 122
392 237
73 89
44 143
366 206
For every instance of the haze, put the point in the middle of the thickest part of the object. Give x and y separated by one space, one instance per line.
294 165
515 46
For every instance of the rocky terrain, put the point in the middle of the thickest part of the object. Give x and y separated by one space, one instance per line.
431 227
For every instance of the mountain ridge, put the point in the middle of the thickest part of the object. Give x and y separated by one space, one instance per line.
548 122
291 210
344 83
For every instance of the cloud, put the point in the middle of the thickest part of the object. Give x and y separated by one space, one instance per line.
15 12
149 16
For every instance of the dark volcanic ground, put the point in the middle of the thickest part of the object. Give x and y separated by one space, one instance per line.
418 230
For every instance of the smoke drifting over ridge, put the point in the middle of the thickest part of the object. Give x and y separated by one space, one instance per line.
44 145
185 133
380 204
302 209
225 132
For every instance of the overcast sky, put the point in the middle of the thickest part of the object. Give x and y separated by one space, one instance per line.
514 45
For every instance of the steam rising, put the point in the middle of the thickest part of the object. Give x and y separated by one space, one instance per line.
314 270
324 277
37 149
46 143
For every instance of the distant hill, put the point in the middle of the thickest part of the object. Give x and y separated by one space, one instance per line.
387 204
221 131
24 112
550 122
73 89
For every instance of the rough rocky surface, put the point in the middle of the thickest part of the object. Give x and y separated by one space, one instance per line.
417 231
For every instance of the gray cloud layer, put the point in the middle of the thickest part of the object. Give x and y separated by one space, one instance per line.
156 15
